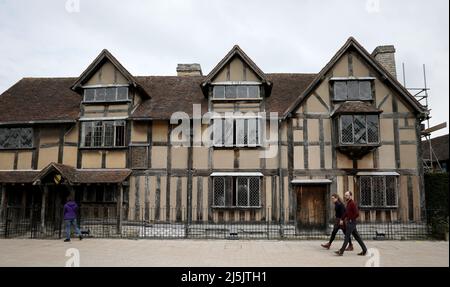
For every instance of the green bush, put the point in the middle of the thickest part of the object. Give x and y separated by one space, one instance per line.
436 196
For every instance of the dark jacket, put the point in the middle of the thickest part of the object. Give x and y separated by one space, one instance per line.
351 212
70 210
339 209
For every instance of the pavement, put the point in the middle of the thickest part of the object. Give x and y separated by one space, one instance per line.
216 253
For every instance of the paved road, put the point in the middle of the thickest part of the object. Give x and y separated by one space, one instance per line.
112 252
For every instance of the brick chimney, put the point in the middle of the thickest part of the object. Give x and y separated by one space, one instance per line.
385 55
189 70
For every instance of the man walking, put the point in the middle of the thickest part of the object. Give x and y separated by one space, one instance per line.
350 215
70 218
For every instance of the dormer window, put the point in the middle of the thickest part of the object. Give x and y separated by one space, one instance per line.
106 94
236 92
352 90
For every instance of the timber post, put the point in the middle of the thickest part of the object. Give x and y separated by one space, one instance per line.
2 202
43 206
119 208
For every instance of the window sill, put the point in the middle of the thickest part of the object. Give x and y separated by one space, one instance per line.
237 147
106 102
375 208
359 145
103 148
355 100
17 148
236 99
236 207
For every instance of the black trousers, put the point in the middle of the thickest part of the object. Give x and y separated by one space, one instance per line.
336 228
351 230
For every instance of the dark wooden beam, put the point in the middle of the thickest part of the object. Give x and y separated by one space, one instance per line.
169 171
119 207
158 197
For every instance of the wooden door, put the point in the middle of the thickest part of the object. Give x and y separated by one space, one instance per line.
311 207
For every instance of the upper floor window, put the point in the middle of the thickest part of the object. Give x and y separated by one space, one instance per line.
103 134
352 90
106 94
358 129
236 92
239 132
11 138
378 191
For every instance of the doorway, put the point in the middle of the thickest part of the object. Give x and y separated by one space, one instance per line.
311 206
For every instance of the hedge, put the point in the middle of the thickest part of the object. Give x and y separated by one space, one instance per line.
436 196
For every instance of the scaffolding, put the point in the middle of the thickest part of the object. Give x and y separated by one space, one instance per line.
421 94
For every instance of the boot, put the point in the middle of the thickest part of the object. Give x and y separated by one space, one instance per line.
363 253
339 252
326 246
349 247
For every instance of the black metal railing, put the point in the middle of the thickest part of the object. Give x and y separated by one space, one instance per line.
178 223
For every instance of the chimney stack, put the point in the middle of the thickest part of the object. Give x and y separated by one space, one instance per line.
189 70
385 55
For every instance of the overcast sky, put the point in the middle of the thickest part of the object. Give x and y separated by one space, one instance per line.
59 38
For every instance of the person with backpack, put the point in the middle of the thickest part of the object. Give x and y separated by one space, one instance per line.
350 216
339 209
70 218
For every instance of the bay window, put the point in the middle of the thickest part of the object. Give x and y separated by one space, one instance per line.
358 129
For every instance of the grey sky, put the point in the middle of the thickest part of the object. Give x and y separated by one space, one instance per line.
44 39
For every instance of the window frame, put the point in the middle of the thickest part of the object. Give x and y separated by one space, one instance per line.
236 128
93 125
353 143
347 98
232 193
19 145
105 88
236 86
385 191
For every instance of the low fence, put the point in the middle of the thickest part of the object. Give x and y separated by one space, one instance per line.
28 223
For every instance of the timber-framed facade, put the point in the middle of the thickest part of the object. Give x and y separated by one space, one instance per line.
105 137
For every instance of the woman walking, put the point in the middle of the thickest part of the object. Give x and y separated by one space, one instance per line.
339 209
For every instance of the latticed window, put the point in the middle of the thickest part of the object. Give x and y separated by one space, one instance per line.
359 129
378 191
16 138
236 191
219 191
103 134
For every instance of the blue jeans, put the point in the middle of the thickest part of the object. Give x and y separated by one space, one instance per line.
69 223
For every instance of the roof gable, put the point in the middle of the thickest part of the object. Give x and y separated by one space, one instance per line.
351 43
100 60
236 51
